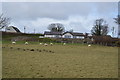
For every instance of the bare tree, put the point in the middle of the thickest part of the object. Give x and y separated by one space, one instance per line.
71 30
117 21
4 21
100 27
56 27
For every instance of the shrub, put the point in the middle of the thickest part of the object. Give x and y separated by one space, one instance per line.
117 43
46 40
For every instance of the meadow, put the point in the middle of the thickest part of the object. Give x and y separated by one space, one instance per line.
59 61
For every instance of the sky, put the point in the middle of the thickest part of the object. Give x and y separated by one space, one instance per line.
79 16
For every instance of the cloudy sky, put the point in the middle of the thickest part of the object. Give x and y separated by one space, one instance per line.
79 16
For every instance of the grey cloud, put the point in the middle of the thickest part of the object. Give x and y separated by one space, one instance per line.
33 14
33 10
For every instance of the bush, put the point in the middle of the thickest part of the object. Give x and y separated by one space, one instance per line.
46 40
117 43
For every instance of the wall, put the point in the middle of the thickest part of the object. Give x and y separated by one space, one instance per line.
79 37
53 36
67 35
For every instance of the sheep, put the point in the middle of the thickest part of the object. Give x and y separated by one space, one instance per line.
13 42
40 43
89 45
64 43
51 44
26 43
45 44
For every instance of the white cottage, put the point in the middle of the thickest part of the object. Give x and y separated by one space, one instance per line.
73 35
64 35
12 29
53 34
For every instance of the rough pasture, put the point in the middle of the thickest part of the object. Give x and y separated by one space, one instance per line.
58 61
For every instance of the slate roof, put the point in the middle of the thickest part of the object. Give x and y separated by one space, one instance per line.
75 33
60 33
17 30
52 33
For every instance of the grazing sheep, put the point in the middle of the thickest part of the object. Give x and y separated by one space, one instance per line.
40 43
45 44
64 43
51 44
32 50
39 50
89 45
13 42
26 43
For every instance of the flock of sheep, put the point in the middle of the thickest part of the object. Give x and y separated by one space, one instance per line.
45 44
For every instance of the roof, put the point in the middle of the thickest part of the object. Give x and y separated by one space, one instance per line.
75 33
16 29
60 33
52 33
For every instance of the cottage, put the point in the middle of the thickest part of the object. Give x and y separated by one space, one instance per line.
53 34
12 29
73 35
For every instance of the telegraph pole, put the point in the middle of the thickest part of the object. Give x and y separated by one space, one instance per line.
34 31
118 19
113 31
24 29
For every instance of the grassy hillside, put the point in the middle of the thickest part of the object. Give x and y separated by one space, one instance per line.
58 61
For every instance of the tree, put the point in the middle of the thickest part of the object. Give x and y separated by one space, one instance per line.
56 27
100 28
71 30
117 21
4 21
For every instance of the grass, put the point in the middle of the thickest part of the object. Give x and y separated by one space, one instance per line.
58 61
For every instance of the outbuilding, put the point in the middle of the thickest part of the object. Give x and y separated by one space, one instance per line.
12 29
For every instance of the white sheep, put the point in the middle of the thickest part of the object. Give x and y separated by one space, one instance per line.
64 43
51 44
40 43
26 43
45 44
13 42
89 45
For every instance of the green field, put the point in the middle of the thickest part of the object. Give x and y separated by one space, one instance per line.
58 61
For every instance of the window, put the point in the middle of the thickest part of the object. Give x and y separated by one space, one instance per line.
74 37
57 36
67 36
8 29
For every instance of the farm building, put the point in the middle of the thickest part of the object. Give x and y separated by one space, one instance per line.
12 29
